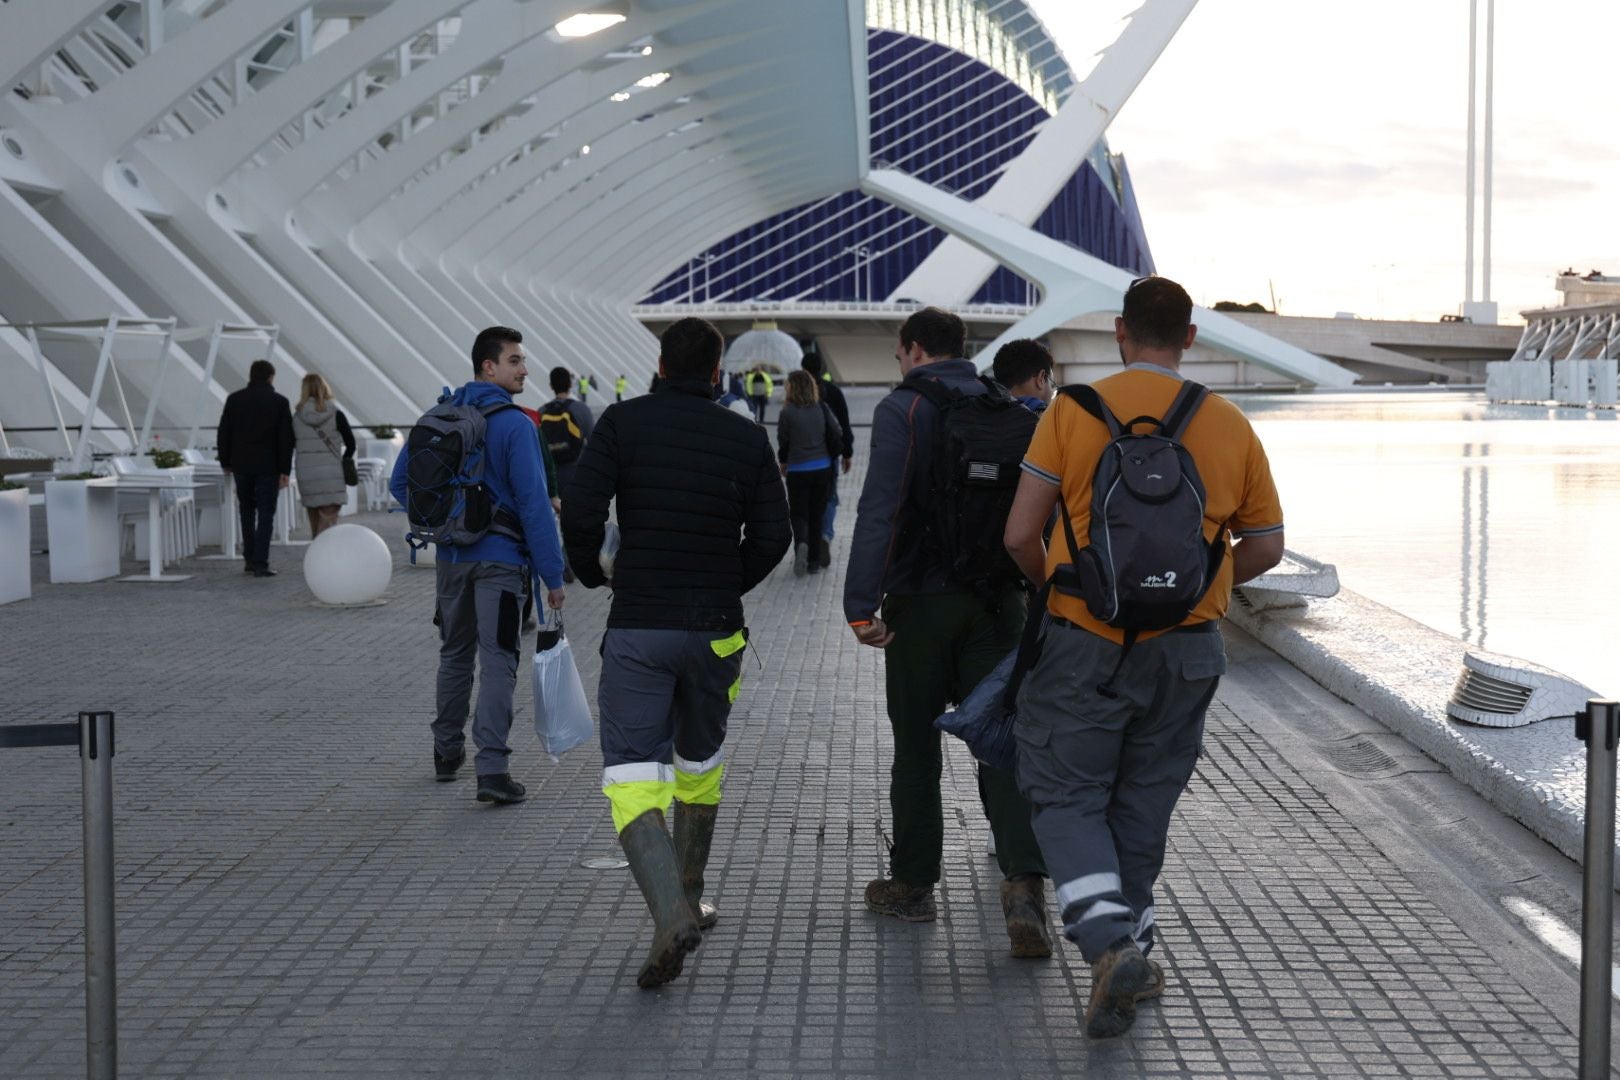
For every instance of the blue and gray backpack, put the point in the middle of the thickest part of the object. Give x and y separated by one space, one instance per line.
446 501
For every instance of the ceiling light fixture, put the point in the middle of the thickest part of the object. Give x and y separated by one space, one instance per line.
656 79
587 23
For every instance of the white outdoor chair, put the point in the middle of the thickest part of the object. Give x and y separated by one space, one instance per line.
177 523
373 482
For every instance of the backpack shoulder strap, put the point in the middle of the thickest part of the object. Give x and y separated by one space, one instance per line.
994 389
1086 396
1182 409
495 407
937 395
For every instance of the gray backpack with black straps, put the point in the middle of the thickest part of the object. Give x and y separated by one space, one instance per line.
446 500
1146 564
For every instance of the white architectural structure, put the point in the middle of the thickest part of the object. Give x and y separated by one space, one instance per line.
376 180
1568 354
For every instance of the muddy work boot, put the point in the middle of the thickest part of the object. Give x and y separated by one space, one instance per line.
652 861
1156 986
694 831
913 903
1120 978
1023 902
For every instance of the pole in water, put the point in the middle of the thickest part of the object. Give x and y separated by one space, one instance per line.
100 946
1599 728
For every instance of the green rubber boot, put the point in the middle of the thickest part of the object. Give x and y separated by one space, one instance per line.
694 831
652 861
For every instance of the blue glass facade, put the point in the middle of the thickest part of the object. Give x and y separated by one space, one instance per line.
945 118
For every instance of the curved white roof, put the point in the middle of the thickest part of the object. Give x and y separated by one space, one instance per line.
379 180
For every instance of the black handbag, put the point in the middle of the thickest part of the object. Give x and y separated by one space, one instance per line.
351 475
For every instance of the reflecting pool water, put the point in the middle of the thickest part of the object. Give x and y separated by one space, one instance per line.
1498 524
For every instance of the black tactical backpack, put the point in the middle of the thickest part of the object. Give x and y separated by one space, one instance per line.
981 442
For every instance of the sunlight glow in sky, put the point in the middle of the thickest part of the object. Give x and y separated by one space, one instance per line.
1320 148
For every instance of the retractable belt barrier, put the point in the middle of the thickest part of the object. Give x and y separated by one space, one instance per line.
93 735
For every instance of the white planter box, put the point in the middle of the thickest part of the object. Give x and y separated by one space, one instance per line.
387 449
14 578
81 521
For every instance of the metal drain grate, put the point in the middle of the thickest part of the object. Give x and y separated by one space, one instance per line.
1359 757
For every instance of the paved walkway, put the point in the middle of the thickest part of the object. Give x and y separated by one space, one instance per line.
297 897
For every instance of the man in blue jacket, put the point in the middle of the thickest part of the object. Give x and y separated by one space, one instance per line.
481 586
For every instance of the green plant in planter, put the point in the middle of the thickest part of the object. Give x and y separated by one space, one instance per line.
383 431
76 476
7 485
166 459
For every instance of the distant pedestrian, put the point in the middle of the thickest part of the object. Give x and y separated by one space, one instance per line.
808 437
584 388
1111 717
323 440
702 520
735 402
566 425
943 622
834 398
256 448
620 385
760 387
1024 367
480 585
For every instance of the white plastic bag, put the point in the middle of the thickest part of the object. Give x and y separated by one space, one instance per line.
562 719
610 550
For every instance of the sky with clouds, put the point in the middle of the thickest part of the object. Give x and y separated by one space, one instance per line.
1319 148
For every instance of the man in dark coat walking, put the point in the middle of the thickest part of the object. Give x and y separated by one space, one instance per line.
256 447
702 520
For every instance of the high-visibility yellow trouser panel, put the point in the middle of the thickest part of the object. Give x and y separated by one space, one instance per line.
634 789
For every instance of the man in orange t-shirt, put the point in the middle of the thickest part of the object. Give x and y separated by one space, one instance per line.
1102 773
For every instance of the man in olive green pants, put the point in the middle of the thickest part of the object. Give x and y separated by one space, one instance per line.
939 636
943 645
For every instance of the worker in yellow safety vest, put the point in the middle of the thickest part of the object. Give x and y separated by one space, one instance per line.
759 385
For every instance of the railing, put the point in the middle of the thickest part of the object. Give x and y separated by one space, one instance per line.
1009 312
93 735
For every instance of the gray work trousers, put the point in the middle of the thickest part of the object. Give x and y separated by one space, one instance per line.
480 614
665 697
1102 774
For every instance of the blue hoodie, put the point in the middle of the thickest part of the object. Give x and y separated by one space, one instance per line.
516 477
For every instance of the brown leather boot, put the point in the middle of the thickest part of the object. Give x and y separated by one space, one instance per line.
890 896
1119 979
694 831
1023 902
1155 987
652 860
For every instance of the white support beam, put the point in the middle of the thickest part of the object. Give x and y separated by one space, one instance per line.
954 271
1074 283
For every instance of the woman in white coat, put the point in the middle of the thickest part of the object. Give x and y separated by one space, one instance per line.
323 439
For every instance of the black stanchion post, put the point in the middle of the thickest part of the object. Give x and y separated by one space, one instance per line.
1599 728
94 736
100 945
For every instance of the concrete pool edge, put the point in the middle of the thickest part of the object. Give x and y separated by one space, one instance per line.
1401 673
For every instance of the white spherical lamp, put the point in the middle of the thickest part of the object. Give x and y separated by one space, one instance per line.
348 564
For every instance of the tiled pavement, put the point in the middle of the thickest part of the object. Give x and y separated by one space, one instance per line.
297 897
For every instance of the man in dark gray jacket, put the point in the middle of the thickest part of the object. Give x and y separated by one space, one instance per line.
940 640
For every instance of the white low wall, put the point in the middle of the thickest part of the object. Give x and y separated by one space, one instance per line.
1402 673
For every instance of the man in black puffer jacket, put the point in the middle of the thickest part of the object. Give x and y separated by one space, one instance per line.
702 519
